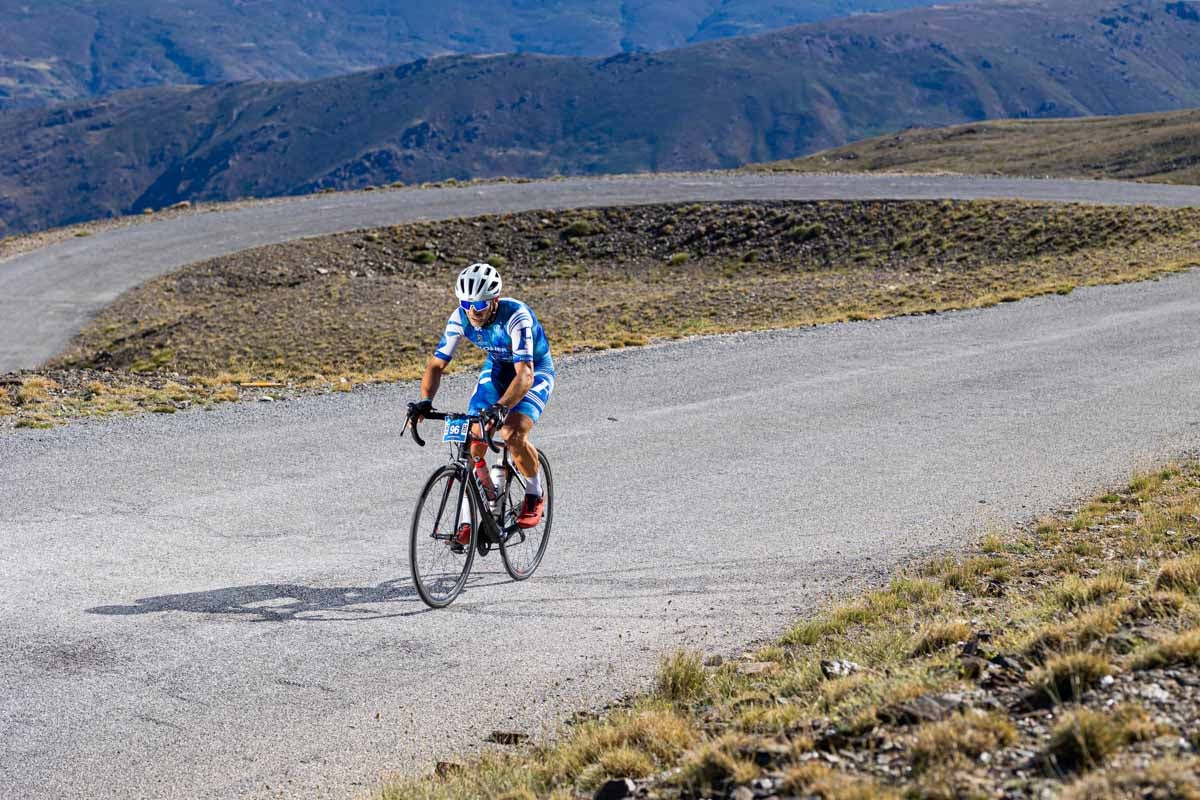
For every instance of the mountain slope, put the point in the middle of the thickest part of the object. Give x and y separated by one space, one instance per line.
719 104
54 50
1163 148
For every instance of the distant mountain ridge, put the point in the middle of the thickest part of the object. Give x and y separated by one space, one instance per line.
55 50
720 104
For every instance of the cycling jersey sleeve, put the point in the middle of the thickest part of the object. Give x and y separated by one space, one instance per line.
520 330
450 337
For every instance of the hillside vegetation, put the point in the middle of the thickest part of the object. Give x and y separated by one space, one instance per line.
327 313
1163 148
54 50
719 104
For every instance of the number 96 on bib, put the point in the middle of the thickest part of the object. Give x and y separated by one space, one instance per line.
456 429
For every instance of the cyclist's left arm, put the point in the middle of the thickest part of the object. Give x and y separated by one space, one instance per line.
521 383
520 331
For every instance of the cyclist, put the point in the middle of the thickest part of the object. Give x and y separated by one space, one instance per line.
514 384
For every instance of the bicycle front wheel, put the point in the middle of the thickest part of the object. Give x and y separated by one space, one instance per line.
522 548
440 559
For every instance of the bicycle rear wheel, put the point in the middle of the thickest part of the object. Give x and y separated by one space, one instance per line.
522 548
440 566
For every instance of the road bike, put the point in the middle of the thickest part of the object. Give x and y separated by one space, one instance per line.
454 495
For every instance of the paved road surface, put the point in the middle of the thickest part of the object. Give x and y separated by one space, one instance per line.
48 295
216 605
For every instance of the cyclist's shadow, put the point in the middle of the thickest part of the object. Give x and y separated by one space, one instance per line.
280 602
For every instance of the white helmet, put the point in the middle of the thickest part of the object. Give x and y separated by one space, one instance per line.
478 282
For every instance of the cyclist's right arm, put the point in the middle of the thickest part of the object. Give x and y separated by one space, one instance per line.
432 378
441 357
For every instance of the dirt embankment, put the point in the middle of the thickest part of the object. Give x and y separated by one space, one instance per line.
328 312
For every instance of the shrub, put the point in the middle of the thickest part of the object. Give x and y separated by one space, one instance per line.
805 233
580 228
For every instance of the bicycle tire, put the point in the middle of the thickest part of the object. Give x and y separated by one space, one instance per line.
438 589
520 568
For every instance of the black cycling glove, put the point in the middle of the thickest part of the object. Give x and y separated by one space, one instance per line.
421 408
496 413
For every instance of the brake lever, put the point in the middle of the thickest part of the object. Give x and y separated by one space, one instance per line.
410 424
487 435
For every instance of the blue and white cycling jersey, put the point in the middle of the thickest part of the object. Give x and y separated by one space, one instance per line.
515 335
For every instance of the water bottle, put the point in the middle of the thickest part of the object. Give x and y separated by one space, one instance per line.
498 478
490 490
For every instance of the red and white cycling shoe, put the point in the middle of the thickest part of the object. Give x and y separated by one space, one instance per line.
461 539
531 511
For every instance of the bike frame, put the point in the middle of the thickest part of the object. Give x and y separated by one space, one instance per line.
491 526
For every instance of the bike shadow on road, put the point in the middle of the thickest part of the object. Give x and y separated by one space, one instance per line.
282 602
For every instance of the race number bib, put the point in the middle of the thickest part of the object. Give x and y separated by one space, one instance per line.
456 429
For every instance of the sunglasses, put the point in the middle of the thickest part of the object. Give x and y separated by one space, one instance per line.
476 306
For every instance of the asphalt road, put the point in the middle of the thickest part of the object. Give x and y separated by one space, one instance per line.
48 295
216 605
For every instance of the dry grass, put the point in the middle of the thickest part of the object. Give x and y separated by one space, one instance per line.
961 736
681 677
1170 779
1065 678
1183 649
369 305
1074 593
1182 575
818 780
940 636
1083 739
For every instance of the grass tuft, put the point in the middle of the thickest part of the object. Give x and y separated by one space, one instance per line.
1074 592
962 735
1168 779
1181 574
713 765
1065 678
681 677
940 636
1180 650
1083 739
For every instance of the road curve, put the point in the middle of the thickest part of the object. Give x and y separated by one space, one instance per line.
46 296
217 605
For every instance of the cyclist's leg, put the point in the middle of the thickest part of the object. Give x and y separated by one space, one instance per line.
491 385
523 417
516 434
